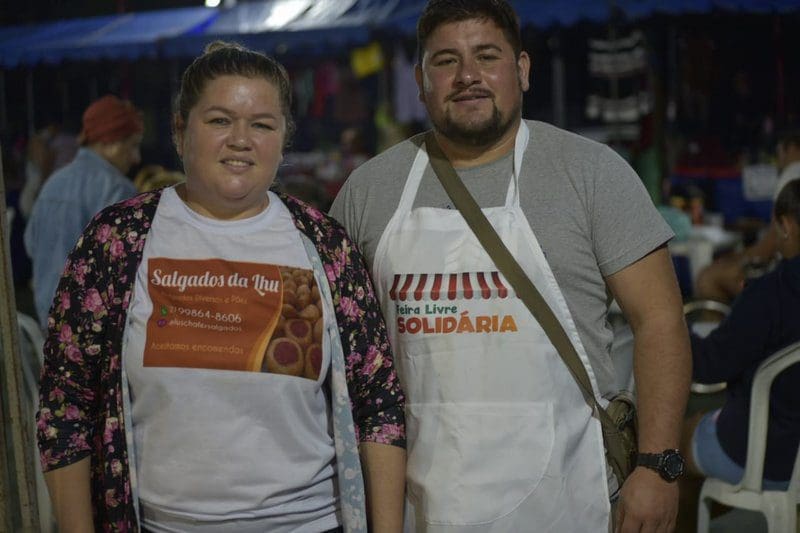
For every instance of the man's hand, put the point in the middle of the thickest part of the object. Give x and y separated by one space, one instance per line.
647 504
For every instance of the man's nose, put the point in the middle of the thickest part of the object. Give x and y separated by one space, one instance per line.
468 73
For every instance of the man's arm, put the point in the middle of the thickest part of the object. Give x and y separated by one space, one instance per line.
384 468
647 292
71 497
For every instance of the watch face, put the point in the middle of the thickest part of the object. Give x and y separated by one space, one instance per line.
673 465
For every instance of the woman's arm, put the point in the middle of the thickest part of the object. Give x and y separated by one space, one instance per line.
376 395
376 398
384 468
71 497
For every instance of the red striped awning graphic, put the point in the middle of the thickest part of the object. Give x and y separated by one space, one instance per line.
456 286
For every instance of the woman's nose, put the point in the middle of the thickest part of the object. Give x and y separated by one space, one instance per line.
239 136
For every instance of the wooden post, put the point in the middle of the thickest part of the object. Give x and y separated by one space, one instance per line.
18 506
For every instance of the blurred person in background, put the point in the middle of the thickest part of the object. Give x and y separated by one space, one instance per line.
13 179
71 196
216 359
152 177
764 318
724 279
47 150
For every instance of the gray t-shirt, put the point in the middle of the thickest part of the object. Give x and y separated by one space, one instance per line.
586 205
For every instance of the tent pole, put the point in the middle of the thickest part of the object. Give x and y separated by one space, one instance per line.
64 93
3 108
29 102
93 90
18 508
174 83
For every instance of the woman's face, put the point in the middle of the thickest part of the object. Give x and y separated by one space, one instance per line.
231 146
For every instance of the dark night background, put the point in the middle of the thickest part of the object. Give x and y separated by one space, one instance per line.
12 12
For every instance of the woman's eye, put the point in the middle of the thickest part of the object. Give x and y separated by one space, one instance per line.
218 120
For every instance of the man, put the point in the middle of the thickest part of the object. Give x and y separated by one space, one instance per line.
724 279
110 140
500 438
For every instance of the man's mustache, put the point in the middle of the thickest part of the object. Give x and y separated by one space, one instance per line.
470 93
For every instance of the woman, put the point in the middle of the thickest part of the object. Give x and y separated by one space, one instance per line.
208 342
763 320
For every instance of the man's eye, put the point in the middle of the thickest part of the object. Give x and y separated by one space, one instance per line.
263 126
444 62
218 120
487 57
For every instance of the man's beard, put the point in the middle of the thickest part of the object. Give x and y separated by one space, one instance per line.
482 134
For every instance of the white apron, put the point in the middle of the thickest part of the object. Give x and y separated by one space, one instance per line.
499 437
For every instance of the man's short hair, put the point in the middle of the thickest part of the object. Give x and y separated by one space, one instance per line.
439 12
788 201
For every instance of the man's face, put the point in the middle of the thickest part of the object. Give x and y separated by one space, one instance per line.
124 154
471 83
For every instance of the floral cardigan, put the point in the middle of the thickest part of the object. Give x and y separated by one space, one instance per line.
83 391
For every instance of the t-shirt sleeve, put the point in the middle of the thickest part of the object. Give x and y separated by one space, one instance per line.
343 209
626 225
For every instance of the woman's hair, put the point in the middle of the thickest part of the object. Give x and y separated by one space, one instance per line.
222 58
439 12
788 202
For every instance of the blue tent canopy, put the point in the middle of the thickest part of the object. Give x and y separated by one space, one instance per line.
129 35
543 13
309 25
549 13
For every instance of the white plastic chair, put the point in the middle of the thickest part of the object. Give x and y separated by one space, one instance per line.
705 306
779 507
31 344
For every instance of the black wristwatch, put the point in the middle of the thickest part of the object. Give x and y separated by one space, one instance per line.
669 464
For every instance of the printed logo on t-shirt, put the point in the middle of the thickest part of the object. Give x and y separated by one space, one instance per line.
231 315
463 302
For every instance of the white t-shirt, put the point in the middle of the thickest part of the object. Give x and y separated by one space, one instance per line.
226 362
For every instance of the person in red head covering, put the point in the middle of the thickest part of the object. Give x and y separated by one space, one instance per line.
110 139
113 129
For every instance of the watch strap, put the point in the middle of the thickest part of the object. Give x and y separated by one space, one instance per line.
650 460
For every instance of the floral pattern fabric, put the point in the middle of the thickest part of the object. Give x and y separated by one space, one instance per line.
81 391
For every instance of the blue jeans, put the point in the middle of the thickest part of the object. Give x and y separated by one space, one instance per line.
712 460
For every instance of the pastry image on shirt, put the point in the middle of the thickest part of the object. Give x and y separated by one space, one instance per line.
227 315
295 348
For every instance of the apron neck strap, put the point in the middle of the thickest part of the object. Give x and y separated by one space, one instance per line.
422 159
520 145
